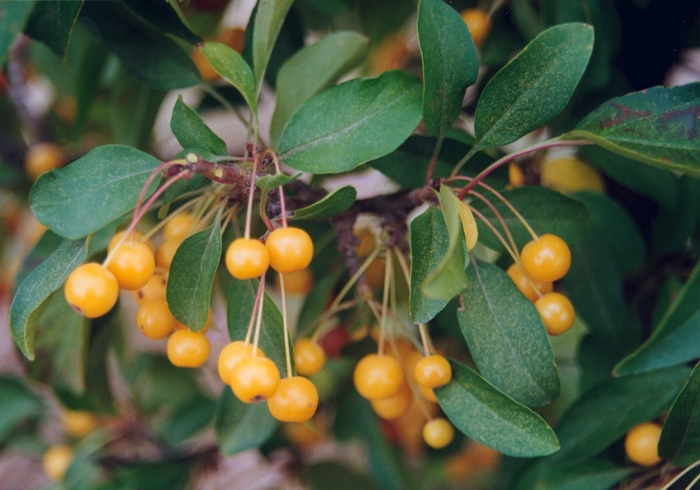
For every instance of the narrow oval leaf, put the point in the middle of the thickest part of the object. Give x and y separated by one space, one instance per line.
192 132
429 244
312 70
34 294
450 63
674 340
506 337
585 430
449 277
240 426
191 277
546 211
331 205
492 418
71 200
241 297
369 118
655 126
266 183
597 474
534 87
231 65
52 23
680 438
269 18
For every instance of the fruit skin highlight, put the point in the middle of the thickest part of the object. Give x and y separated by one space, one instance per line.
247 258
378 376
546 259
295 400
290 249
91 290
641 444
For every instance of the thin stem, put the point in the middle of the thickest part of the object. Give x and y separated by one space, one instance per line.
222 100
323 319
285 327
385 303
258 324
499 216
149 181
172 216
539 146
495 232
424 338
281 190
433 161
511 208
680 475
256 303
461 163
695 480
251 192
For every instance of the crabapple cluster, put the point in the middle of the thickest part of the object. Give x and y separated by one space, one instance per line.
543 261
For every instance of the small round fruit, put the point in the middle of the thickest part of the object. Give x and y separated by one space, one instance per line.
155 287
247 258
298 282
546 259
254 379
56 461
516 273
569 174
231 354
137 237
394 406
166 252
79 423
438 433
479 24
428 394
378 376
309 357
206 71
295 400
155 320
178 227
641 444
43 157
188 349
392 53
516 176
133 265
91 290
290 249
557 313
433 371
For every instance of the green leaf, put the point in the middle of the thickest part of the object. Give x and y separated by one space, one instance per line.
506 337
269 18
17 403
52 23
370 118
312 70
183 186
655 126
429 244
188 421
534 87
35 292
144 52
71 200
165 18
240 426
329 474
449 277
191 277
13 18
331 205
230 65
680 438
267 183
545 210
609 410
192 132
597 474
317 299
674 339
654 183
674 227
241 297
450 63
61 346
492 418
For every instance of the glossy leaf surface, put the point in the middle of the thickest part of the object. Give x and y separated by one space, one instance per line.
231 65
71 200
450 63
534 87
370 118
191 277
429 244
192 132
240 426
269 18
492 418
655 126
312 70
35 292
506 337
331 205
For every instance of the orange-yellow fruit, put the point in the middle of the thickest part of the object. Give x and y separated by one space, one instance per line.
557 313
254 379
479 24
132 264
546 259
433 371
297 282
247 258
309 357
570 174
56 461
91 290
438 433
392 54
290 249
641 444
166 252
154 319
378 376
155 288
43 157
188 349
79 423
230 355
179 227
137 237
516 273
394 406
295 400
